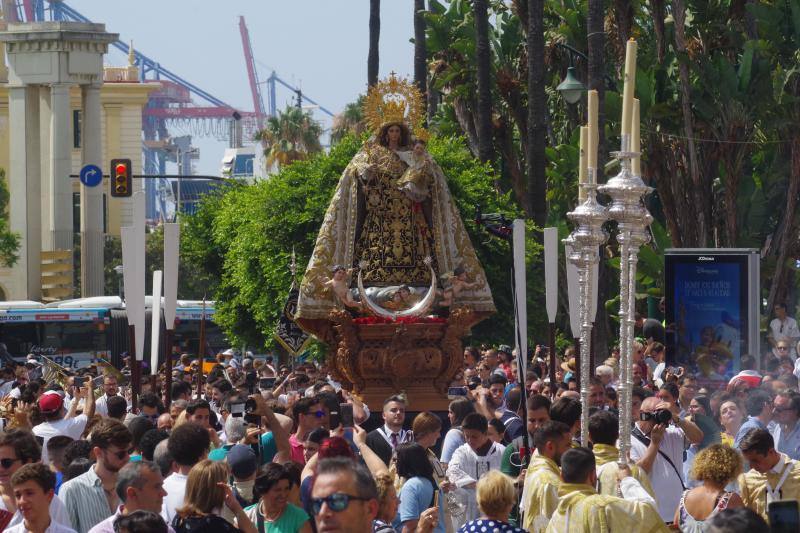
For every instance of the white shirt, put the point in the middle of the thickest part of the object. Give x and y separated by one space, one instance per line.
6 387
54 527
101 405
175 486
465 468
786 330
58 515
71 427
666 483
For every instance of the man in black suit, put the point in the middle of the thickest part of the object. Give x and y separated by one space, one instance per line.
384 440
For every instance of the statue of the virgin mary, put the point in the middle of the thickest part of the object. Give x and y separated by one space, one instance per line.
390 217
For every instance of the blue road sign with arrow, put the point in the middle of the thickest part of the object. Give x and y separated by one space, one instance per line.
91 175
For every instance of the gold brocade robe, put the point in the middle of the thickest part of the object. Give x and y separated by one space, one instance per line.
582 510
392 235
394 238
540 493
607 475
752 486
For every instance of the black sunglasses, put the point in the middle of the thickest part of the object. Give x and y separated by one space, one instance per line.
7 463
337 502
122 454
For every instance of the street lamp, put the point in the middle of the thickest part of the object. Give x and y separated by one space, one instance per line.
571 88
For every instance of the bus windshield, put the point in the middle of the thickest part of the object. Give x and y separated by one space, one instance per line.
71 337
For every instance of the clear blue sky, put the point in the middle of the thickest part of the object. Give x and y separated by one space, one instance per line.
320 45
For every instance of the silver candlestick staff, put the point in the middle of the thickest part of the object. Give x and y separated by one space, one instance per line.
585 240
627 208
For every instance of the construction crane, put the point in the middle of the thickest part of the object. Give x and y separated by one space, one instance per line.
252 73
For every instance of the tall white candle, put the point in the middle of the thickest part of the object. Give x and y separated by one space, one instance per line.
582 164
629 86
592 141
636 162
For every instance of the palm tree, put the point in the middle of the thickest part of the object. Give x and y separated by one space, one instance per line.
484 69
374 40
290 136
596 72
349 121
537 131
420 51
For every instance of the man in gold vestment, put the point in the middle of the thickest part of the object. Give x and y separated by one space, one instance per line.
582 510
773 475
540 495
603 434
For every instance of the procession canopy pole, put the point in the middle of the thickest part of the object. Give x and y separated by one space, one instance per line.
168 366
551 295
551 350
201 349
519 285
136 377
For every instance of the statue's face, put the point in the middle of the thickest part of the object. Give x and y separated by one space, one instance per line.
340 274
393 134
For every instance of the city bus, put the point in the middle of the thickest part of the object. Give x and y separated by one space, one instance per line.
74 333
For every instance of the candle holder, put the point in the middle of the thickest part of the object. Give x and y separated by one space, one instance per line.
633 219
585 240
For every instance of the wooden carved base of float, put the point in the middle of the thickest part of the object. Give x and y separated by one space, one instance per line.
420 359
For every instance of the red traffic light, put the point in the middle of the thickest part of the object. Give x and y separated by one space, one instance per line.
121 184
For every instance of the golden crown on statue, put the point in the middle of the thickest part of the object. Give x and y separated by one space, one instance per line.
393 101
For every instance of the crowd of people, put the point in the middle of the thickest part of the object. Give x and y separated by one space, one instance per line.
261 449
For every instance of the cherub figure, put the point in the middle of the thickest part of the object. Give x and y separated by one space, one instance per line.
400 299
458 283
415 181
341 287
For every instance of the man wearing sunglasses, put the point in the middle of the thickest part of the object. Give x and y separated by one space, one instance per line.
91 497
344 497
17 448
308 415
786 431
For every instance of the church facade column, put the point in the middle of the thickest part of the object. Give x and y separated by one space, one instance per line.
44 165
25 187
92 237
60 208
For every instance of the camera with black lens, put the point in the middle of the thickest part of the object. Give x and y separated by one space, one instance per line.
659 416
250 406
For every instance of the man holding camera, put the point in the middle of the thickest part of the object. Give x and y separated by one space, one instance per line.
657 447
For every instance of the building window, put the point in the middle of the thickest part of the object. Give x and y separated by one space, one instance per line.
77 117
76 212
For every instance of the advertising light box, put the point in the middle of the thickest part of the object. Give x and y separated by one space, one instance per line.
712 309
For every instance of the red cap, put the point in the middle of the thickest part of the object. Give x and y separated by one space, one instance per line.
50 402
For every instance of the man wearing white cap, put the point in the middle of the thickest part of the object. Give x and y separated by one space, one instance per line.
57 421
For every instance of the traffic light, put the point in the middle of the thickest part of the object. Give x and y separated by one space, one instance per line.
121 178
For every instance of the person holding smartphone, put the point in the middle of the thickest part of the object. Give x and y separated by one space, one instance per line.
59 421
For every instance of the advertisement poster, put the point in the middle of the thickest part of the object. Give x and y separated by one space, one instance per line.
708 299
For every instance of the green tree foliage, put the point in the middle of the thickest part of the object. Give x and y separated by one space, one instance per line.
9 241
246 234
720 106
290 136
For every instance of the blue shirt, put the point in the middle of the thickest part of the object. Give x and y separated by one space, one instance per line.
749 424
452 440
416 496
268 448
787 442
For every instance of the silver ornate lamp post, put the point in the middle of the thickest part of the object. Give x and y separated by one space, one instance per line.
627 190
585 240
